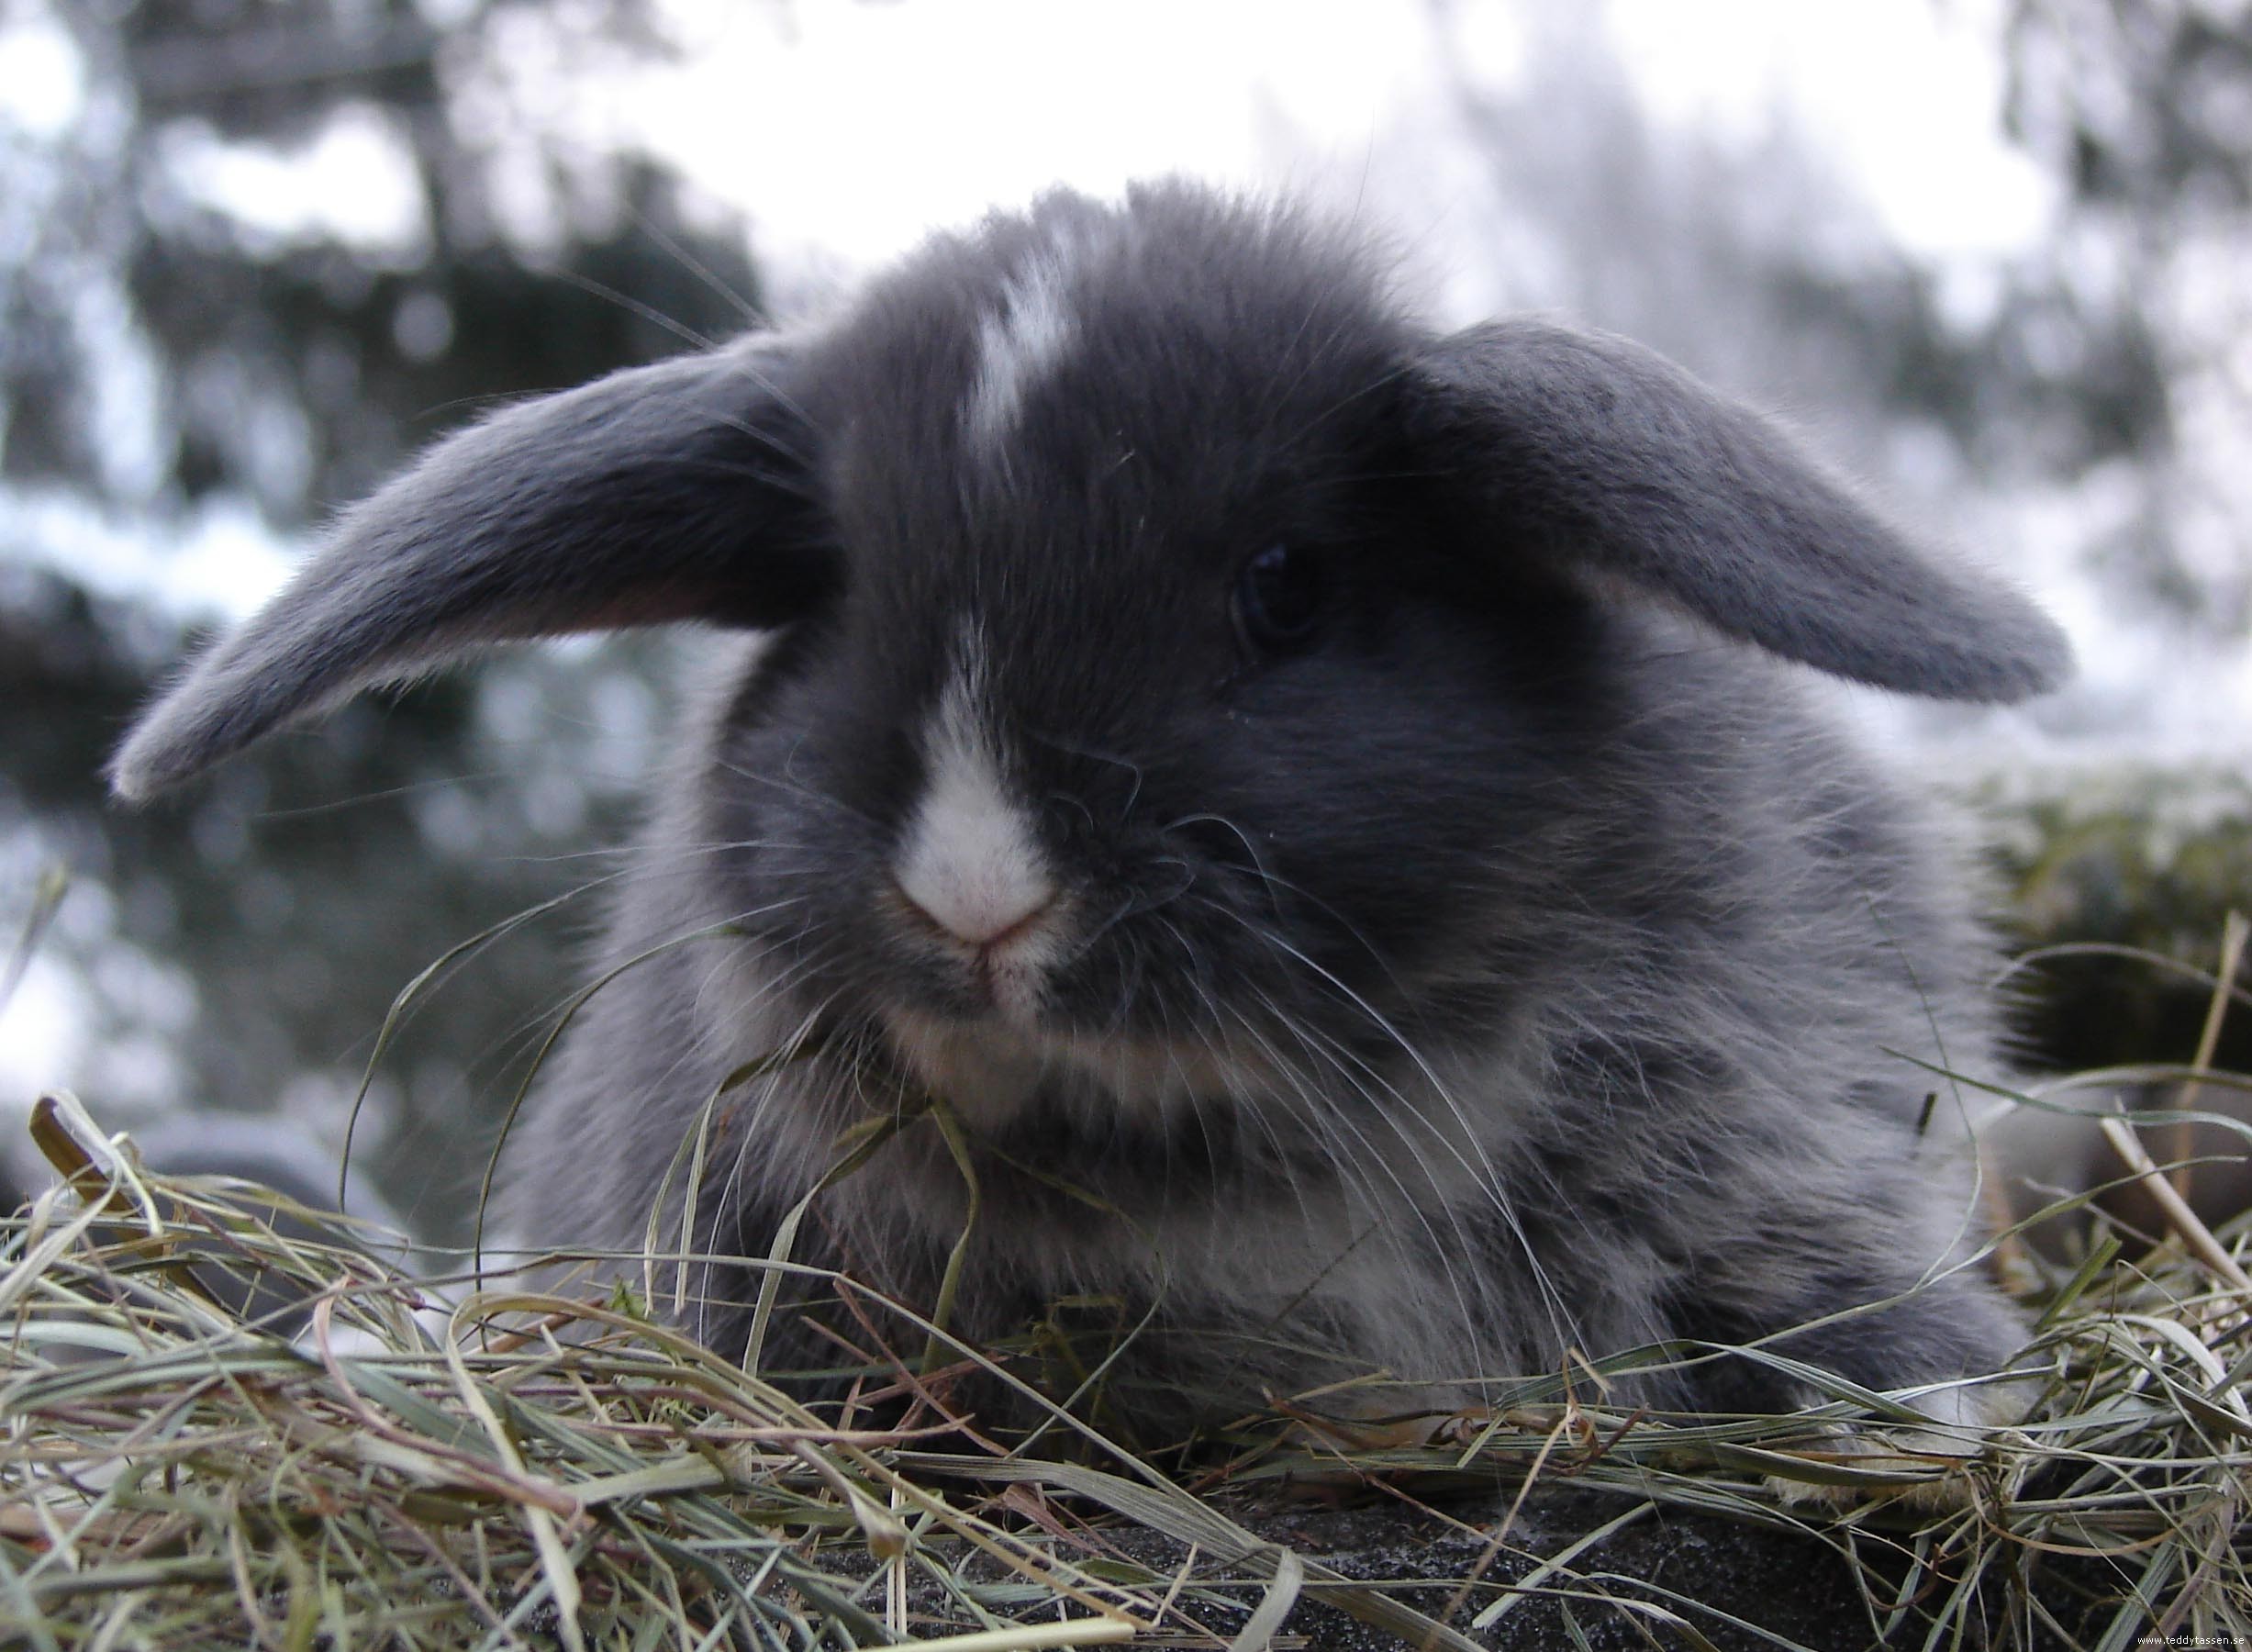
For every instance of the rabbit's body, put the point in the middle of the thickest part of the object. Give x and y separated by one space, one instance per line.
1686 1101
1295 787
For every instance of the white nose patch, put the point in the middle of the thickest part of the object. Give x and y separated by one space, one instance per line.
970 860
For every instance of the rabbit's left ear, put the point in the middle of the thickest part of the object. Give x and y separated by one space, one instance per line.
677 491
1592 451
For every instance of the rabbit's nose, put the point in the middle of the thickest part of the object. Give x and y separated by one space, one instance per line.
970 863
982 906
970 860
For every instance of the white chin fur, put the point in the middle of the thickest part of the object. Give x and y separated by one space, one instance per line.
988 1071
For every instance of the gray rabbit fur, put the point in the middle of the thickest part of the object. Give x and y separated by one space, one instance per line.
1335 809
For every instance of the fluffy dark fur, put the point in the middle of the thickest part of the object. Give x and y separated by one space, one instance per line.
1327 805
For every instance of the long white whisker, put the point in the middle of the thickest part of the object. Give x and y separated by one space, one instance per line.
1465 1146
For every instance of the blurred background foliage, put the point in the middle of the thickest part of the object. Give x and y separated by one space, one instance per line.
178 375
239 944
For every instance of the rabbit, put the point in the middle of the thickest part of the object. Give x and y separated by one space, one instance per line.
1323 835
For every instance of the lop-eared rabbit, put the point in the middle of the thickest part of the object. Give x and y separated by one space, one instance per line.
1333 811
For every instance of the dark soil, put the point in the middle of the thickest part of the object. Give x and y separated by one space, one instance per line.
1733 1583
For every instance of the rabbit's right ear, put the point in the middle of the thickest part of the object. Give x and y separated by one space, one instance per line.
1608 461
677 491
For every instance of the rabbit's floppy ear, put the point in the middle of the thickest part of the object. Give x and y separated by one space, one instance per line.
1596 452
673 491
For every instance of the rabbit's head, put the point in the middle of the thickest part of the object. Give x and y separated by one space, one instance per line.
1171 635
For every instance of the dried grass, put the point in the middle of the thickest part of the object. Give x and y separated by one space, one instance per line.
397 1462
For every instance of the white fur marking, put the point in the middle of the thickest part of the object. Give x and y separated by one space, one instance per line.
970 861
1019 341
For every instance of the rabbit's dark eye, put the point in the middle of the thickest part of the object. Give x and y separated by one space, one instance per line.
1280 598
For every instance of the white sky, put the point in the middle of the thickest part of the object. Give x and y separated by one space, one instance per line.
1906 92
853 129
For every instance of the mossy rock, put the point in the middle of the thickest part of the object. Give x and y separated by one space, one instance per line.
2097 867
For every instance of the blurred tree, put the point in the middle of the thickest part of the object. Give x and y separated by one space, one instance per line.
2143 111
1759 265
174 344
